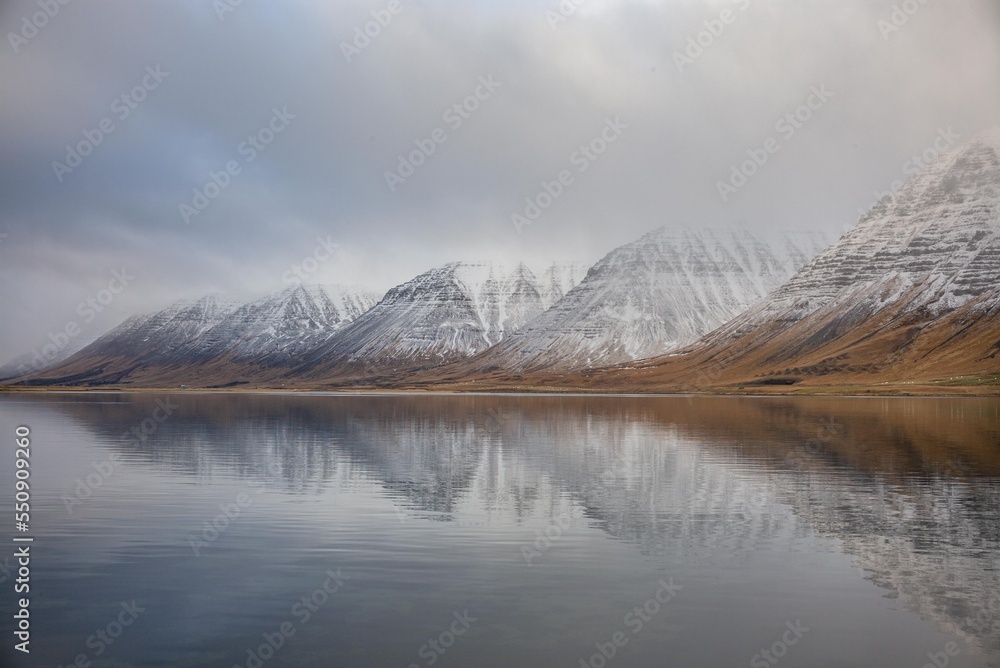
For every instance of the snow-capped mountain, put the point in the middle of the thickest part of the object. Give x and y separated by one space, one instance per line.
164 333
285 324
913 291
140 341
653 295
212 336
937 241
447 313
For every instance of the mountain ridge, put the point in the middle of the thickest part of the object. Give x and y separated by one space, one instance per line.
909 296
655 294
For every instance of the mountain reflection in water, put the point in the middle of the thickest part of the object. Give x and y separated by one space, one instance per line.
909 487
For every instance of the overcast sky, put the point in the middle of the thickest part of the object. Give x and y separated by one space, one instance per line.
199 78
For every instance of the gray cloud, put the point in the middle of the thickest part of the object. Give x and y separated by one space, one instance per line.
324 174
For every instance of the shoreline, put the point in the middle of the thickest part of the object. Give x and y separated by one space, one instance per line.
831 391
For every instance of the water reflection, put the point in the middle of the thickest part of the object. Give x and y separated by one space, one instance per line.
911 487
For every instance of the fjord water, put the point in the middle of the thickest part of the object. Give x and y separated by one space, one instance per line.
508 530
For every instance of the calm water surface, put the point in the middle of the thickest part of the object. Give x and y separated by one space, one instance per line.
277 530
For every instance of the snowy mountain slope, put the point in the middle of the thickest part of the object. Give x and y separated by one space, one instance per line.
935 245
912 292
285 324
653 295
164 333
913 288
447 313
142 340
213 336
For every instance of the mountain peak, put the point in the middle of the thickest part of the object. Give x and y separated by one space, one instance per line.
444 314
929 248
654 294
